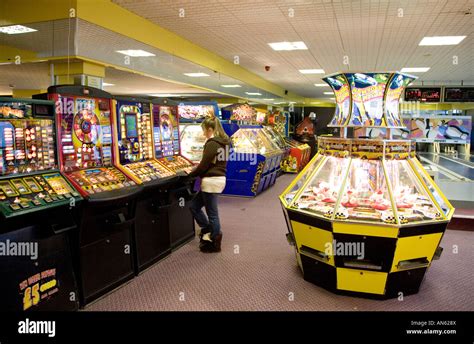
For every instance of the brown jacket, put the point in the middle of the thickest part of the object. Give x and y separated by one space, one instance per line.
214 159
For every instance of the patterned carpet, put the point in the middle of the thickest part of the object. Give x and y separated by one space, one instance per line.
257 270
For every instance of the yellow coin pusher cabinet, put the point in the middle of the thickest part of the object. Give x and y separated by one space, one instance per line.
365 217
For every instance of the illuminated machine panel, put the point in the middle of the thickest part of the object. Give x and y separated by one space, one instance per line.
135 141
86 137
166 139
28 180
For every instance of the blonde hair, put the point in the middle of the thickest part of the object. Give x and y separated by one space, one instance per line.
214 123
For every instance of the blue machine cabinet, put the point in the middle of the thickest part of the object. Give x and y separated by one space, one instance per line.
254 160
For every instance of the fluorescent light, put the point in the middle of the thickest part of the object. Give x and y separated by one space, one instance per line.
16 29
278 46
415 69
231 86
315 103
442 40
164 95
312 71
196 75
269 99
321 85
135 53
279 103
329 93
107 84
253 93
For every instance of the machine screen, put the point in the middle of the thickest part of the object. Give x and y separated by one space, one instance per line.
131 125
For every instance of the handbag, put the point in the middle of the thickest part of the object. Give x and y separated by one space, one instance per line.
213 184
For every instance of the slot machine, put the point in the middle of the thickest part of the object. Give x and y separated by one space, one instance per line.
135 156
37 206
85 135
168 153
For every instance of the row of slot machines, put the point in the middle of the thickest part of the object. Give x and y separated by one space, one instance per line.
91 190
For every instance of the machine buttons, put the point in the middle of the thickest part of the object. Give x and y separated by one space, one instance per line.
15 206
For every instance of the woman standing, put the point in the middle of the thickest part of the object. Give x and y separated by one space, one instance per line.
212 170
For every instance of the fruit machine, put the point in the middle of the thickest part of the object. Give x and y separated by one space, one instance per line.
168 153
191 116
364 216
86 156
135 156
37 212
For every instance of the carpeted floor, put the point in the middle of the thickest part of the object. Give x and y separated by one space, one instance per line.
257 270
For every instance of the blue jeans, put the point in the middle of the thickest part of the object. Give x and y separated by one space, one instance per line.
209 201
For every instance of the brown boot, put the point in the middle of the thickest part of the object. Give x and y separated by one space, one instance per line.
217 242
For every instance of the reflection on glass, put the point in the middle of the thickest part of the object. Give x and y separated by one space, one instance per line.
412 201
275 137
242 143
192 142
302 179
430 183
321 193
252 140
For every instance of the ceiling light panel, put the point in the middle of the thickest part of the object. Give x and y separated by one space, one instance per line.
415 69
135 53
16 29
442 40
288 46
196 75
311 71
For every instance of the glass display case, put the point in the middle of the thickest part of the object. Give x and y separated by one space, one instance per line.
253 140
362 190
276 137
254 160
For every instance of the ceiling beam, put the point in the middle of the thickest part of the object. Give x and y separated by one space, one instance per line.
117 19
